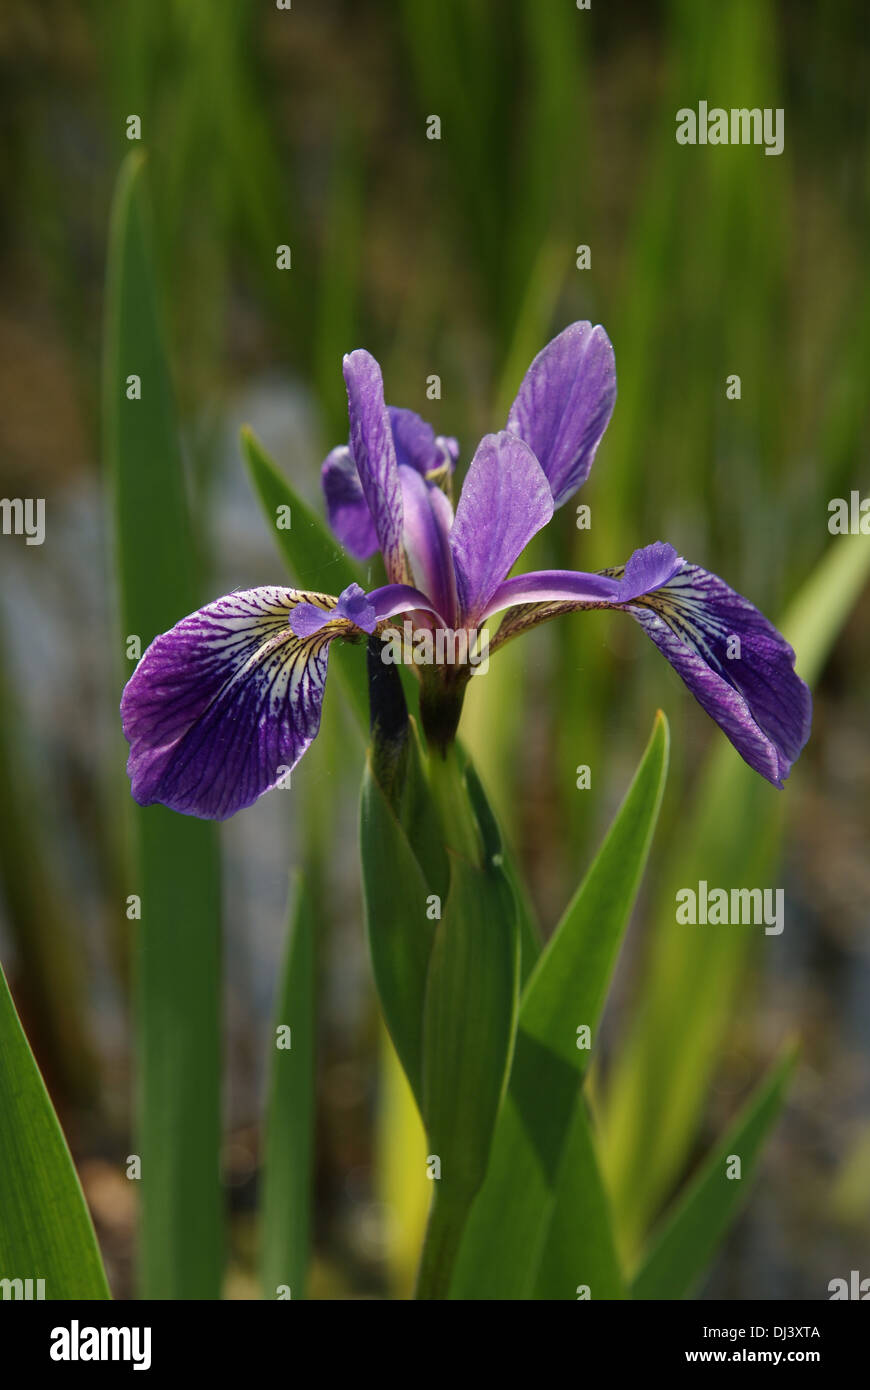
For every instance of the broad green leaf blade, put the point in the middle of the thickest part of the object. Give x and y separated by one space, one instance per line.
503 1258
418 816
289 1128
569 1266
469 1026
174 875
178 996
732 836
45 1226
400 934
496 848
469 1022
313 557
679 1253
548 1189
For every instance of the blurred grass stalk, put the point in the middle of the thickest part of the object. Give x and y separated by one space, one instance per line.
174 870
285 1219
222 186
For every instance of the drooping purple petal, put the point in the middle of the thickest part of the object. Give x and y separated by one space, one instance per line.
736 664
223 705
505 500
374 453
564 404
428 517
346 506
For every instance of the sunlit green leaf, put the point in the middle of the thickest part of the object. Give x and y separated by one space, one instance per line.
497 850
469 1027
400 933
45 1227
469 1020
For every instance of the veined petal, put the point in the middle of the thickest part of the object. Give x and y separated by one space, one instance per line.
374 453
564 404
735 662
224 704
346 506
505 500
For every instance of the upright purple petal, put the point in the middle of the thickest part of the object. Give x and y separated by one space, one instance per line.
374 453
346 506
224 704
564 404
505 500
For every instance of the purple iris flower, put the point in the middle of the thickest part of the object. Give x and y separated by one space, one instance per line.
223 705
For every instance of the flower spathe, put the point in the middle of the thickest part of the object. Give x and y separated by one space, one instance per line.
225 703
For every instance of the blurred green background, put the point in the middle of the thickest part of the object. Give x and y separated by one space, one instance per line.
457 258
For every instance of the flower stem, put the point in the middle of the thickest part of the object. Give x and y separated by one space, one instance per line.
389 723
